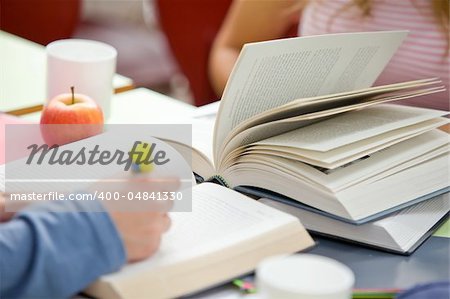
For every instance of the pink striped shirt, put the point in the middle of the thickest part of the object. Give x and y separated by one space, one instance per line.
422 54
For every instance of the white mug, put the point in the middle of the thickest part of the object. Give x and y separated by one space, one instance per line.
87 65
303 276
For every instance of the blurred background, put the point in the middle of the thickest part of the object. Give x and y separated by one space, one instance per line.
162 44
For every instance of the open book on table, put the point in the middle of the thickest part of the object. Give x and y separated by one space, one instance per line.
226 235
298 118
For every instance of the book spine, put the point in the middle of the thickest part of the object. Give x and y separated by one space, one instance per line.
218 179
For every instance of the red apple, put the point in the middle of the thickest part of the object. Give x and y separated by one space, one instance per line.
70 117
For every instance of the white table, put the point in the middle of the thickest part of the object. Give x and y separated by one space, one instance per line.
23 75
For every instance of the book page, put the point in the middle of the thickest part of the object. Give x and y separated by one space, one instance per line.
200 153
202 136
272 73
305 106
353 126
220 218
390 160
274 128
406 224
353 194
346 154
374 167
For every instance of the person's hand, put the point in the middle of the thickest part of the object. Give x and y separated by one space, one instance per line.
140 223
141 232
4 216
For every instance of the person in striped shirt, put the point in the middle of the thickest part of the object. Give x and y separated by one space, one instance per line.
424 53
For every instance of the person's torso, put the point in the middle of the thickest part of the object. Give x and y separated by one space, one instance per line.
422 55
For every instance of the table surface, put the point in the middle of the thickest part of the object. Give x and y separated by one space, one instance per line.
23 75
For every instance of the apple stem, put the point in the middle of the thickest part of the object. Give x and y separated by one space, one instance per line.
73 94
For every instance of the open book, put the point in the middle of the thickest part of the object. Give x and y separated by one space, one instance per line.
226 235
298 117
402 232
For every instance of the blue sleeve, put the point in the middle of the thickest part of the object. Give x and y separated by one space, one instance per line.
48 254
435 290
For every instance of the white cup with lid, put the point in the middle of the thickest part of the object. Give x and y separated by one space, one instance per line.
303 276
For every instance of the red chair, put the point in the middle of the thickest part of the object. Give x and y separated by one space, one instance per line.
41 21
190 27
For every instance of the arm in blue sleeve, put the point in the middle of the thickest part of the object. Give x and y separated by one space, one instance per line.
48 254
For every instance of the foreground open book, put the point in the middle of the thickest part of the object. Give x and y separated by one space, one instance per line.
281 127
226 235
